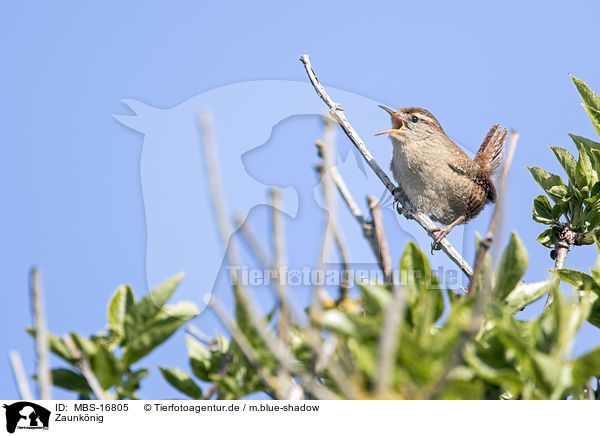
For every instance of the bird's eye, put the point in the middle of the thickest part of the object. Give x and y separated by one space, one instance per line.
414 119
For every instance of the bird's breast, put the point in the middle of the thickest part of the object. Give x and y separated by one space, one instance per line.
426 179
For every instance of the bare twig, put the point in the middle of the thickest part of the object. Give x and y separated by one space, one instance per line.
383 253
337 113
193 331
255 246
269 380
325 360
388 340
19 374
566 238
275 346
489 237
482 297
214 181
44 376
82 363
225 364
283 392
368 227
331 229
283 321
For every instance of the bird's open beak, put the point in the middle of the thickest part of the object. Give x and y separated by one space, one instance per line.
396 122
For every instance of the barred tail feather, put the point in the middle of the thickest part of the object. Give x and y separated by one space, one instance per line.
491 153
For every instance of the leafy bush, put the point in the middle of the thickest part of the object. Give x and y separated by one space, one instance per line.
392 340
134 330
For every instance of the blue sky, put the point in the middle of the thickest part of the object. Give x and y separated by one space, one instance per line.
70 177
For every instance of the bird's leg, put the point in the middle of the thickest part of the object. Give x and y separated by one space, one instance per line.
399 199
440 233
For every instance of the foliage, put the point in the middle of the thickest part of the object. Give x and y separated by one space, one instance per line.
576 206
505 358
412 340
134 330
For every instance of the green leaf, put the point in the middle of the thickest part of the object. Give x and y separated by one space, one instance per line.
550 183
594 115
70 380
339 322
181 381
57 346
363 356
547 238
587 95
486 277
559 209
377 298
425 299
542 211
567 161
149 306
120 303
414 267
585 173
527 293
591 102
157 330
588 144
594 316
512 267
132 382
106 366
586 366
88 346
574 277
200 359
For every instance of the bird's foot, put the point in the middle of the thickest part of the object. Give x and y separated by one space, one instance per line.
438 234
399 199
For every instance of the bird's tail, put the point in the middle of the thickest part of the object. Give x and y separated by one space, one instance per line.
491 152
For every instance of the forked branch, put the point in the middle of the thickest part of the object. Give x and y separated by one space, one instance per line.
337 113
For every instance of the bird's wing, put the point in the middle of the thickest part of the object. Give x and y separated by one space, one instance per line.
477 175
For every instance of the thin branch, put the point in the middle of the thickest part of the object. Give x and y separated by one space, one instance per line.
307 382
566 238
489 237
324 360
331 231
283 321
193 331
225 364
214 180
19 374
372 229
44 376
253 243
483 297
337 113
383 253
240 339
82 363
274 345
389 341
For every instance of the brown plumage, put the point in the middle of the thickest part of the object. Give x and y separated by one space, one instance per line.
435 175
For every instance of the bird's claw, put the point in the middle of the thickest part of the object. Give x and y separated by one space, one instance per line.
438 234
398 199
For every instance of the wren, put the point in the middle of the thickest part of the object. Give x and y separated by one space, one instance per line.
435 176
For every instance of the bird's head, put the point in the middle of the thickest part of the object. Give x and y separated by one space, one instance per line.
412 124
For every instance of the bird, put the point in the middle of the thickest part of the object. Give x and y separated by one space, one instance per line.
435 176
